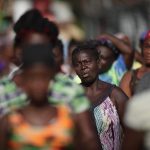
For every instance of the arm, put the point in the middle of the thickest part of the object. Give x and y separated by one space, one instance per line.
129 143
4 130
125 50
87 136
125 84
120 99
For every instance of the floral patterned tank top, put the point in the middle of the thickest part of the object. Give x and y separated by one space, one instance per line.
108 123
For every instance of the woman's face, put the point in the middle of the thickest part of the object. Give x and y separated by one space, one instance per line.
146 51
31 38
86 67
106 58
36 38
36 80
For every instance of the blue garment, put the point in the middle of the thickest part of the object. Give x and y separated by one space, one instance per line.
115 73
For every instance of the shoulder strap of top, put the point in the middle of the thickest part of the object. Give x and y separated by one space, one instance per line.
106 93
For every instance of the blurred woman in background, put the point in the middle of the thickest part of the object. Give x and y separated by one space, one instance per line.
131 78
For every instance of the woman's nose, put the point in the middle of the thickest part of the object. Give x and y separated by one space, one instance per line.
83 66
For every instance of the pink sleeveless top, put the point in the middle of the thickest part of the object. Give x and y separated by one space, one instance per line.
108 124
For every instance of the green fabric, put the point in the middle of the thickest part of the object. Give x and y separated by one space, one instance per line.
62 90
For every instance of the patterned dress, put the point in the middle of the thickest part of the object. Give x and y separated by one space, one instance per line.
108 123
56 135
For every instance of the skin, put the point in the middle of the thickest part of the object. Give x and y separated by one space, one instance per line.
124 49
129 143
87 68
106 58
43 7
31 38
137 55
126 80
35 37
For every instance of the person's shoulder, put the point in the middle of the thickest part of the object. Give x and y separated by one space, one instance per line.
117 92
118 97
64 90
126 78
62 82
128 74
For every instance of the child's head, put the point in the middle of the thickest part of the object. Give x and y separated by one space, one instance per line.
38 70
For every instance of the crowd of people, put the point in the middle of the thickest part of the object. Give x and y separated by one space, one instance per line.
94 100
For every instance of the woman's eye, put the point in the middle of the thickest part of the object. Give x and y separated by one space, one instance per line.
88 61
146 46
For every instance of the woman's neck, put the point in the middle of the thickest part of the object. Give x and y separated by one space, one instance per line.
92 85
40 105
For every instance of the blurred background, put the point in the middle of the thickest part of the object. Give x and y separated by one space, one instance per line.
83 19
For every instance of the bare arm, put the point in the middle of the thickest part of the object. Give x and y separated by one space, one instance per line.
120 100
132 139
125 50
4 130
125 84
86 131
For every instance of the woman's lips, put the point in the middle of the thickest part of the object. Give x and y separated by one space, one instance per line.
85 75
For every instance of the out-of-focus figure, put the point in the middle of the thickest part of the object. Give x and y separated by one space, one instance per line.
32 28
6 52
138 59
137 129
38 125
131 78
115 58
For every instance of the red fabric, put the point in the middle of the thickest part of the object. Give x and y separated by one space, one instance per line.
147 36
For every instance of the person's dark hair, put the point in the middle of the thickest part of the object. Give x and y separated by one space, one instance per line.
30 17
142 37
32 21
73 42
37 54
87 47
17 42
110 45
